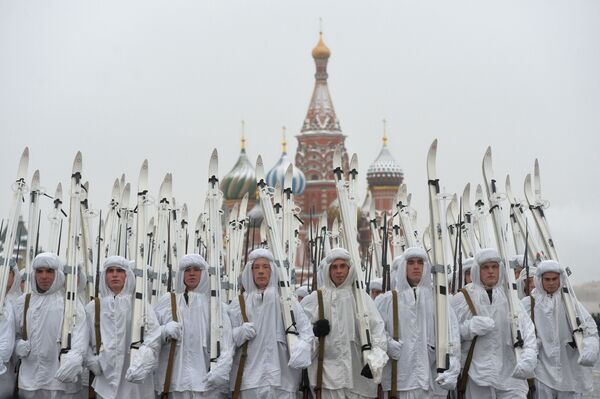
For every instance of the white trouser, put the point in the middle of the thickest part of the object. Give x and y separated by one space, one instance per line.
475 391
46 394
412 394
543 391
340 394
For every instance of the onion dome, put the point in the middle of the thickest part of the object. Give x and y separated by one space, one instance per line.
241 179
255 216
277 174
385 171
321 50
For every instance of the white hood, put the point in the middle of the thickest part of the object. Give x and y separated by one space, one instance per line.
51 261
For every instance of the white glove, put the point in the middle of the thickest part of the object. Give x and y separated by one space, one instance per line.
394 348
588 356
70 367
22 349
481 325
522 371
301 355
447 380
93 364
2 368
244 333
171 330
141 365
377 359
214 381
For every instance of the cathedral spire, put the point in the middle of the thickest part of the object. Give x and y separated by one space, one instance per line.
321 117
243 138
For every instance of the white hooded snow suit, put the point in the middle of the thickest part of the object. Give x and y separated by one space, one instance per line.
416 321
115 330
8 379
7 344
494 362
558 369
192 358
343 360
267 374
40 352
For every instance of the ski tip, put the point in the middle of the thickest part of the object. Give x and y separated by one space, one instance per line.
337 158
116 189
354 163
289 177
408 198
431 154
144 166
35 180
77 163
260 169
23 165
213 166
58 192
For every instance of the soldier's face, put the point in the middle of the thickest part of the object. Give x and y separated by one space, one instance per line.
338 271
551 282
11 280
489 274
44 277
115 279
261 272
191 277
414 270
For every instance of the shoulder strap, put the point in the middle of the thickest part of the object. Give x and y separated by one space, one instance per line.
25 309
469 301
243 353
321 354
395 336
169 373
464 376
97 324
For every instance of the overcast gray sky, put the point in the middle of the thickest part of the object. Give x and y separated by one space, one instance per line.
168 81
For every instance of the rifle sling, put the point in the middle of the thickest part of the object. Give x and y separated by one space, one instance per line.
97 324
464 376
243 353
531 381
395 335
25 309
321 353
169 373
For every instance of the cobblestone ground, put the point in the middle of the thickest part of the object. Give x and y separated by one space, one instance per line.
596 375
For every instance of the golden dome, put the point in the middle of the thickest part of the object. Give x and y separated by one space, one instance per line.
321 50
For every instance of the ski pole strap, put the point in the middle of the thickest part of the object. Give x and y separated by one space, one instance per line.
97 324
243 353
395 335
464 376
169 373
321 354
25 309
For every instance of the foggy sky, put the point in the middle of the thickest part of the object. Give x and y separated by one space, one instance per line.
170 81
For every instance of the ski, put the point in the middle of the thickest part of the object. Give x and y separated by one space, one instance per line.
32 225
501 242
438 264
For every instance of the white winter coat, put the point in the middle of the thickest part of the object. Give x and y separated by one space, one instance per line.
44 328
557 361
494 358
343 360
115 331
267 363
416 322
7 344
192 356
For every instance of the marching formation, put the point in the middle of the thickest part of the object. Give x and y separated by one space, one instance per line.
477 305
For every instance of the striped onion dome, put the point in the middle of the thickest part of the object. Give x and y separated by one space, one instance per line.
240 180
277 174
385 170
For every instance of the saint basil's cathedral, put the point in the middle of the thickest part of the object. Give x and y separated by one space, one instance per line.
313 183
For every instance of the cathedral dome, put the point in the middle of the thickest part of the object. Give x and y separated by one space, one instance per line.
277 174
321 50
385 171
241 179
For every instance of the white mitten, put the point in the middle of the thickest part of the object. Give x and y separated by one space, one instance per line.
481 325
